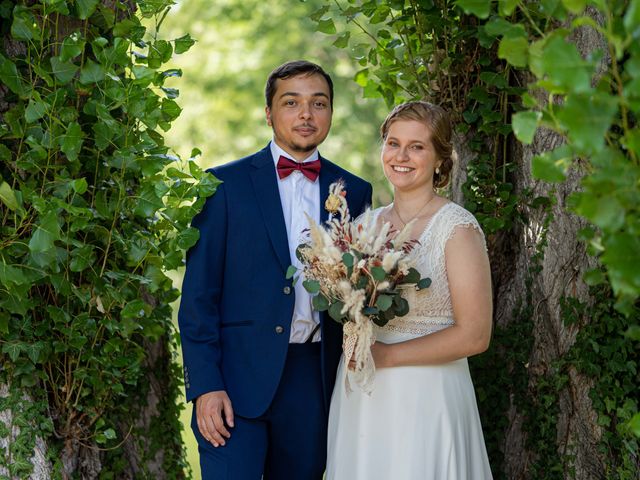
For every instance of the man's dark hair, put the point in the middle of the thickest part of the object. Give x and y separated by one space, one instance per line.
293 69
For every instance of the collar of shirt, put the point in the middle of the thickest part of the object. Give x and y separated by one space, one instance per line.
276 151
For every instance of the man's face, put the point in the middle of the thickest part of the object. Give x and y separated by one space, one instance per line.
300 114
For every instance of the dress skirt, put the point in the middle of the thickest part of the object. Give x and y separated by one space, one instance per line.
419 423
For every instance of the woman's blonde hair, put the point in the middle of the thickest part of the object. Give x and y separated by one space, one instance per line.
439 124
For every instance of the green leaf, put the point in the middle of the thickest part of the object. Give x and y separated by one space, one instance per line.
574 6
320 303
109 434
12 349
335 311
72 46
35 110
348 259
9 76
47 232
622 257
64 72
423 283
605 211
549 168
587 119
378 273
79 185
4 323
188 237
291 271
92 73
514 50
24 26
343 40
8 196
311 286
564 66
71 142
479 8
507 7
524 125
85 8
632 19
412 277
384 302
634 424
326 26
184 43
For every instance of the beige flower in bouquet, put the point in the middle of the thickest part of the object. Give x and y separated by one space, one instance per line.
354 269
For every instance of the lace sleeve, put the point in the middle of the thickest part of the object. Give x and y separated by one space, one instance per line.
461 218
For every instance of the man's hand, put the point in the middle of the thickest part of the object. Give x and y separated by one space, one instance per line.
209 414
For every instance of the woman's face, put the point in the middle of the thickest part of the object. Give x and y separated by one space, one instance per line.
408 157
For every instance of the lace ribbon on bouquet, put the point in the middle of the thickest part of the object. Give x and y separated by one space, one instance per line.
358 337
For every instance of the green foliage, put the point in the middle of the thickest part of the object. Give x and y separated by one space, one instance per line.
94 210
469 56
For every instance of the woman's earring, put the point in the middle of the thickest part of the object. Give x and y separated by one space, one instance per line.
437 170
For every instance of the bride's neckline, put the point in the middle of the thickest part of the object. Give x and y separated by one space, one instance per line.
429 222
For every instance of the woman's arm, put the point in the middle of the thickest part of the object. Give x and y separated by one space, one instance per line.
469 279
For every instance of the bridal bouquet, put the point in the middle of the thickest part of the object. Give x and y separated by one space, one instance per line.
354 270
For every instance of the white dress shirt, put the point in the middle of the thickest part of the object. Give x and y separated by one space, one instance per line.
298 195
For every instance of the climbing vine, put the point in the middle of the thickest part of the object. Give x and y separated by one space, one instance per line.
505 69
95 210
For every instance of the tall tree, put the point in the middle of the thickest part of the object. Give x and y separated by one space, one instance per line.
94 210
558 390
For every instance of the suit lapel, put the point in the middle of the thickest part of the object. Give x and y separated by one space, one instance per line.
328 174
265 186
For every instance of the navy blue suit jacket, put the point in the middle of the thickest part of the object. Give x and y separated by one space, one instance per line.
236 308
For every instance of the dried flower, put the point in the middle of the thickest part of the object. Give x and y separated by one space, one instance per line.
354 269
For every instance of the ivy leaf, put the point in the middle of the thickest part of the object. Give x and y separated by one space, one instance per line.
514 50
188 237
35 110
574 6
24 25
479 8
9 76
12 349
4 322
183 43
507 7
63 71
326 26
8 196
525 125
85 8
91 73
72 46
47 232
72 141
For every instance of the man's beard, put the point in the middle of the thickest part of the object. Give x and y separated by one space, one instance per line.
305 148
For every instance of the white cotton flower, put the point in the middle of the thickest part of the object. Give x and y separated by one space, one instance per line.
383 285
390 259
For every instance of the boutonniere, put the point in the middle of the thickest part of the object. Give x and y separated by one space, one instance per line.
336 201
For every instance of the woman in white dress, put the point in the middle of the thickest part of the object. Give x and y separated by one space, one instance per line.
421 421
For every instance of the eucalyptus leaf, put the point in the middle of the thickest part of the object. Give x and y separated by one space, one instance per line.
311 286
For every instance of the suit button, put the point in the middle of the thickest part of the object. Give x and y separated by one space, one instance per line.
279 329
286 290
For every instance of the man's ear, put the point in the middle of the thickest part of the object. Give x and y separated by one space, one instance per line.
267 111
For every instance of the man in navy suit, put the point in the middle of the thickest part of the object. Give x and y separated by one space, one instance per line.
260 364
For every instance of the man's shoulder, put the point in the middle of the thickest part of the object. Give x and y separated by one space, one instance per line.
240 166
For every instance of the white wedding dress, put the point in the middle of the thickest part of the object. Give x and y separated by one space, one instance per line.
419 423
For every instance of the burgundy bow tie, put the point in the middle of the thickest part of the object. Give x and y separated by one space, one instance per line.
286 167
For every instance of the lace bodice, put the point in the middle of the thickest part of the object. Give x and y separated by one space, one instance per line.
430 309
